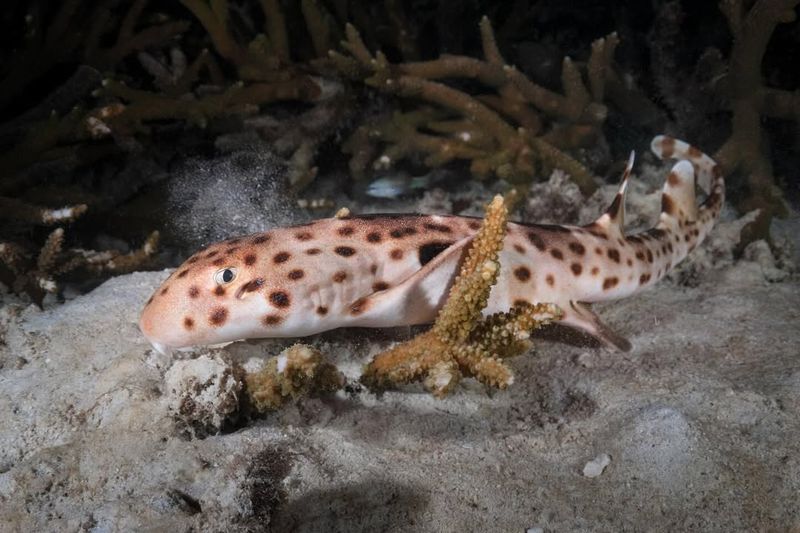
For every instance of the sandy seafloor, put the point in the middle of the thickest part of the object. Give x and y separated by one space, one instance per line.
701 422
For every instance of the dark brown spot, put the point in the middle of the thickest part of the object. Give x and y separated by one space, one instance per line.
614 210
694 152
182 273
536 240
374 236
673 179
212 253
218 316
629 261
303 236
164 291
598 250
339 276
667 204
399 233
576 268
550 280
250 259
231 251
359 306
577 248
613 254
373 268
296 274
610 283
218 262
556 253
252 285
621 241
322 310
437 227
272 320
194 292
522 273
193 259
667 147
640 255
519 302
396 254
188 323
644 278
345 251
380 286
473 224
313 251
219 290
595 271
281 257
346 231
596 230
649 256
519 249
261 239
430 250
279 299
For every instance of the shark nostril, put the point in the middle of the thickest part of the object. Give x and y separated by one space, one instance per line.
250 286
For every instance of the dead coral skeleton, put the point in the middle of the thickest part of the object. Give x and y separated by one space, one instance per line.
462 342
36 275
299 370
520 131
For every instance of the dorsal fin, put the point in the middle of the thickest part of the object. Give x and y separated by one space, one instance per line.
613 220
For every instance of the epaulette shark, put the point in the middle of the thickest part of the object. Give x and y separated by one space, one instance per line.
396 270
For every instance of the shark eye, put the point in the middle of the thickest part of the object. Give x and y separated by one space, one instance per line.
224 276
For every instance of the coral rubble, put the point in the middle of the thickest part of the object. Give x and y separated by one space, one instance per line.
461 341
300 370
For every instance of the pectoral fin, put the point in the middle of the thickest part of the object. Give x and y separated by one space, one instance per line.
415 300
579 316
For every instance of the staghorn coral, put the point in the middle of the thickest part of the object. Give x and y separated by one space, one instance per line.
63 37
514 133
299 370
36 275
750 101
462 342
740 86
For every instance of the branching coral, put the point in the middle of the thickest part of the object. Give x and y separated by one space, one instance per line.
735 85
521 130
77 31
300 370
751 100
462 342
37 275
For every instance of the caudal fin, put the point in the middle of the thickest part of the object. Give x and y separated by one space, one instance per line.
679 190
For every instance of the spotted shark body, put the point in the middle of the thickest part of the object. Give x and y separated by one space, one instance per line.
394 270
